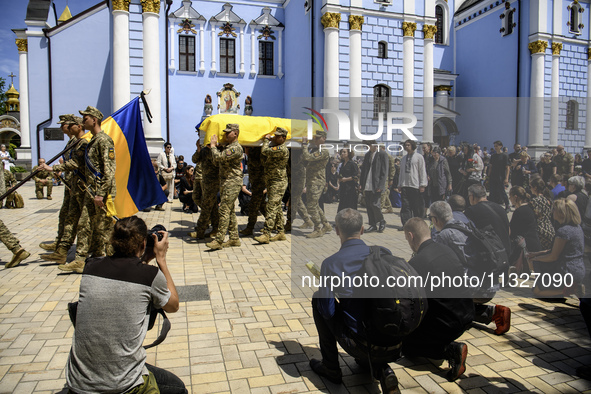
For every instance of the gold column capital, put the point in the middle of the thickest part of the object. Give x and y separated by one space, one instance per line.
588 53
443 88
556 48
409 29
356 22
22 45
121 5
429 31
151 6
331 19
539 46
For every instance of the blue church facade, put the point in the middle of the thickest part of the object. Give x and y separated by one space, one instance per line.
477 70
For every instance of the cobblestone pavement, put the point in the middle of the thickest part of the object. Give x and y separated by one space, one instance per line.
252 335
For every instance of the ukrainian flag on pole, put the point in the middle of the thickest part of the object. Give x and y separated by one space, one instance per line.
137 185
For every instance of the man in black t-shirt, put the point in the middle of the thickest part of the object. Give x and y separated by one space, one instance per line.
498 175
483 213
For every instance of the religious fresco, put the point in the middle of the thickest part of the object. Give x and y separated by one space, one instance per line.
228 100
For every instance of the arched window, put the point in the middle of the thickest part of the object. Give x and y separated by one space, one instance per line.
574 20
383 50
381 99
572 115
440 23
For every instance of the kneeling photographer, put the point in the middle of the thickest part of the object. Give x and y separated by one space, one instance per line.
116 295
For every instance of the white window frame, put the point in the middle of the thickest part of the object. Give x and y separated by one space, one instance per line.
575 9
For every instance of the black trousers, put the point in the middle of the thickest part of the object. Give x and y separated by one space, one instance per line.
412 204
374 207
431 341
497 192
334 330
168 383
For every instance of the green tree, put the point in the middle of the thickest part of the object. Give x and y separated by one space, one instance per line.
2 96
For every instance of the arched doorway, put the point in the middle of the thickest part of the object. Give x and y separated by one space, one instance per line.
444 132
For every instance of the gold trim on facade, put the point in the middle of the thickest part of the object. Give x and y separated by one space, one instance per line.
151 6
556 48
429 31
331 19
22 45
120 5
588 53
356 22
443 88
409 29
539 46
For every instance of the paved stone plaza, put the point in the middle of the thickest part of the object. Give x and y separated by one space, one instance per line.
245 332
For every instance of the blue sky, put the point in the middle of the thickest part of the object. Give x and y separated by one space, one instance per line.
12 16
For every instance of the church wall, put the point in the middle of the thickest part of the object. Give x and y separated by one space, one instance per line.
488 76
189 89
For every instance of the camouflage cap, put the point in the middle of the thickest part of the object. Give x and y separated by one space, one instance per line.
65 118
231 127
76 120
281 132
92 112
320 133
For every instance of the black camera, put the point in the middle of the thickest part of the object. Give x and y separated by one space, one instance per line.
154 230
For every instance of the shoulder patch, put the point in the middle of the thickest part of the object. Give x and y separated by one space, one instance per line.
112 153
274 148
230 151
317 154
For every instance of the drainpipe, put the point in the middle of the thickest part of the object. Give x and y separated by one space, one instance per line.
40 125
168 5
312 49
518 71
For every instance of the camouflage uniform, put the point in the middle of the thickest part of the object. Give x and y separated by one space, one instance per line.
315 161
210 186
563 164
76 178
256 177
9 181
197 176
298 182
41 175
94 227
231 176
385 197
275 160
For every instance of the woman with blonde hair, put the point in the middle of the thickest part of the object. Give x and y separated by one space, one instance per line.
566 255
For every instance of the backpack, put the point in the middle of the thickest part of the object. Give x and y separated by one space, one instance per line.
391 310
487 251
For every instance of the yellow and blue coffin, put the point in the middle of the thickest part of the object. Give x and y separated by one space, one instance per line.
137 185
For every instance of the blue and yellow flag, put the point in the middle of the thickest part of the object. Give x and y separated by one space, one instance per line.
137 185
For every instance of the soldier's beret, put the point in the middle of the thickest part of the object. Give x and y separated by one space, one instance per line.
66 118
231 127
281 131
92 112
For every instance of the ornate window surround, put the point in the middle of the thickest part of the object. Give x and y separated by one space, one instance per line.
175 21
507 20
216 22
266 20
574 15
446 19
572 115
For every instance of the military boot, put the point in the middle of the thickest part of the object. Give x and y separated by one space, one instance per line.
231 242
247 231
48 246
287 226
211 234
59 256
17 257
317 233
327 228
197 234
279 237
214 245
74 266
262 239
307 224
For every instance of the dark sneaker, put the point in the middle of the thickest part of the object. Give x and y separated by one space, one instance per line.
502 319
334 375
370 229
381 226
389 381
457 360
